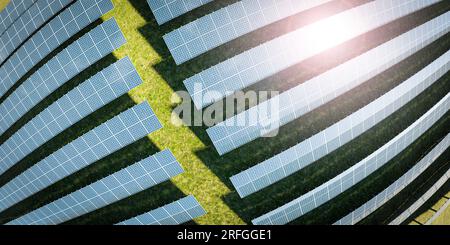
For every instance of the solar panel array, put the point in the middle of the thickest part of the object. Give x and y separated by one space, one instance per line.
439 212
27 23
356 173
116 133
373 204
165 10
117 186
104 87
48 38
78 56
12 11
415 206
228 23
305 153
175 213
280 53
296 102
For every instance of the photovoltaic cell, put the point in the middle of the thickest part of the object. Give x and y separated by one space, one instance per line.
305 153
415 206
69 22
26 24
356 173
175 213
373 204
12 11
122 184
120 131
228 23
99 90
79 55
166 10
280 53
296 102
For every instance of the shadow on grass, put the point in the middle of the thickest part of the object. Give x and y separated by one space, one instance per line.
306 126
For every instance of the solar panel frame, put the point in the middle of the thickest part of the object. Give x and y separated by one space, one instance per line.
30 21
49 37
12 11
166 10
424 198
175 213
282 52
229 23
129 126
246 181
396 145
75 58
126 182
89 96
370 206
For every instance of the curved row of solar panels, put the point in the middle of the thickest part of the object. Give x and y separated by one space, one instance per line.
213 84
31 30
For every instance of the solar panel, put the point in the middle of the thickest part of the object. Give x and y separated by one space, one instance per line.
278 54
104 87
356 173
78 56
415 206
120 131
305 153
228 23
48 38
124 183
12 11
296 102
175 213
166 10
27 23
396 187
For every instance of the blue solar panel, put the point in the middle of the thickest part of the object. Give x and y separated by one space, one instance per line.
396 187
86 98
175 213
12 11
305 153
48 38
124 183
228 23
166 10
421 201
278 54
304 98
78 56
120 131
356 173
29 22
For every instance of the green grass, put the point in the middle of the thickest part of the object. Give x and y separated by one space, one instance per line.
206 173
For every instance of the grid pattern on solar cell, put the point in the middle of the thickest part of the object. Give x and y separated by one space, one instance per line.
118 132
48 38
175 213
29 22
424 198
104 87
308 96
124 183
231 22
396 187
166 10
356 173
278 54
321 144
12 11
78 56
